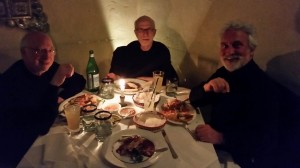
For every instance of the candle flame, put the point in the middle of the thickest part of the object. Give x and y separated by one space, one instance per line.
122 84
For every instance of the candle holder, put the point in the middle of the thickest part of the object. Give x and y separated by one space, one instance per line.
122 97
122 101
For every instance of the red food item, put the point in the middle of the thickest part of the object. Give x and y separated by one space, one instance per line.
84 100
176 110
138 143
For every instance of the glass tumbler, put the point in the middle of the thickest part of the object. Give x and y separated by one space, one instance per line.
106 89
103 125
171 87
88 119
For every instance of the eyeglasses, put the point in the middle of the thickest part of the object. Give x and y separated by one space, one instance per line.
140 30
42 51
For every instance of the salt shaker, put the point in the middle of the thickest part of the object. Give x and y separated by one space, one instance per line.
106 89
103 125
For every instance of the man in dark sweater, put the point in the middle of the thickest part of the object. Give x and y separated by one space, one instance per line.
30 92
140 58
246 104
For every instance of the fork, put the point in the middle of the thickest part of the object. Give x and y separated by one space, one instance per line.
186 127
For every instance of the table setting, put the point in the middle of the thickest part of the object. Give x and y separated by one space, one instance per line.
120 132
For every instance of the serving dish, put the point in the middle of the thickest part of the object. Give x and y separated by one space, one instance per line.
150 120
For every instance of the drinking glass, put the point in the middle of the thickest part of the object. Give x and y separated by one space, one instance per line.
171 87
158 77
72 113
103 125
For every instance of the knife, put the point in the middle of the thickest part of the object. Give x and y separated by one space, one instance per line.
174 154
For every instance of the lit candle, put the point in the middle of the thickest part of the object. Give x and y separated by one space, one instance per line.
122 86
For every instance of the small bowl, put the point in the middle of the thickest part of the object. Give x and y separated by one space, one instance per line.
88 108
138 99
111 107
115 119
150 120
127 112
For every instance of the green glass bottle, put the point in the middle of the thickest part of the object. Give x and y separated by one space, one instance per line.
92 73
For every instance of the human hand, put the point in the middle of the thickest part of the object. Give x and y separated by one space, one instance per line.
59 100
64 71
113 76
206 133
144 78
218 85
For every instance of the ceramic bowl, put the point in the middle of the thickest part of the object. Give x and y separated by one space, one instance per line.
150 120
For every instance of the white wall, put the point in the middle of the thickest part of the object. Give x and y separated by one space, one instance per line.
190 29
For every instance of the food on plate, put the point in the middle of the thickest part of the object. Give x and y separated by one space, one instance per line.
127 111
112 107
131 86
139 98
89 108
115 119
136 147
150 120
176 110
84 100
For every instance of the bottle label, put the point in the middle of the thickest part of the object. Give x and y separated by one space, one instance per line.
96 80
93 81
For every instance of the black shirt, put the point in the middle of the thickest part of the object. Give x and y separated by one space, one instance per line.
131 62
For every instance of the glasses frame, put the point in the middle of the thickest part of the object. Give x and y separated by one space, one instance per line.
141 30
42 51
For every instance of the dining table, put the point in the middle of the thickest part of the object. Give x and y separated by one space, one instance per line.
58 149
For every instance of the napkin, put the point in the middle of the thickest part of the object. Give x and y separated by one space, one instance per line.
186 147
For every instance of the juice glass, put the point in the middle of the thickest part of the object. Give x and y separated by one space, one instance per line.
72 113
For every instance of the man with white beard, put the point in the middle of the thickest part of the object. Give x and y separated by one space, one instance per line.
247 105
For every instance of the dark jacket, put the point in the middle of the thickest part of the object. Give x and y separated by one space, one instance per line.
249 116
28 105
131 62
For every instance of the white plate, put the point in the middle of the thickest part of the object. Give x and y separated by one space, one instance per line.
107 146
140 82
139 97
61 105
190 108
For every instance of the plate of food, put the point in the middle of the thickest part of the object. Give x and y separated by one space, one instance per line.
82 99
131 148
132 85
176 111
139 98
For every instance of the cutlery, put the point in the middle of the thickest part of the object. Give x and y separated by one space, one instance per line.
161 149
189 131
186 127
174 154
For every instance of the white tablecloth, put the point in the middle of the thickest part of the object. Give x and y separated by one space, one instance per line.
57 149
